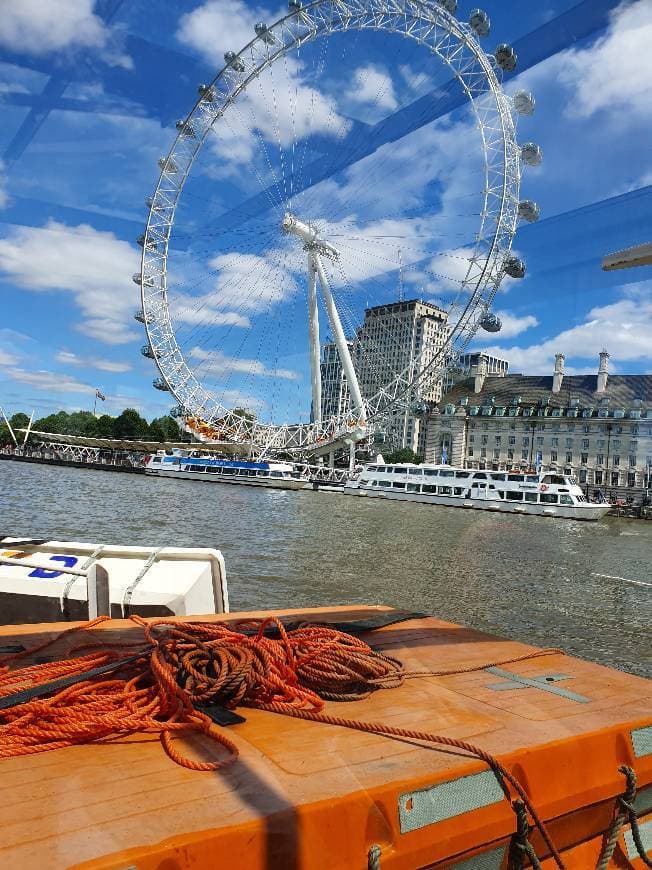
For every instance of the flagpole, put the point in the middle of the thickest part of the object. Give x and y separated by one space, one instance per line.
95 404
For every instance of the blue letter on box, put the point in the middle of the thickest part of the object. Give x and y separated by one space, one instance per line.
44 574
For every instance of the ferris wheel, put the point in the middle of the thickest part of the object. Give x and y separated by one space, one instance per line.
352 146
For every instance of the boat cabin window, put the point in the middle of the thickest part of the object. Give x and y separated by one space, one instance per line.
458 490
532 478
549 498
276 474
398 485
429 490
430 472
498 476
445 490
384 483
531 496
513 495
565 499
517 477
446 473
554 478
460 474
417 471
372 468
414 487
479 476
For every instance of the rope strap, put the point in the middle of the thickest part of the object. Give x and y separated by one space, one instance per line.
625 811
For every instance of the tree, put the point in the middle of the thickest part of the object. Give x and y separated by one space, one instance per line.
105 426
19 421
165 429
130 425
404 454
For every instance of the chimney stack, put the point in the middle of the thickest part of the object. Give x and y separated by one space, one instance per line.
480 374
603 372
558 375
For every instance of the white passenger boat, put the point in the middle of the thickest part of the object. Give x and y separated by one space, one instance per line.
196 466
543 494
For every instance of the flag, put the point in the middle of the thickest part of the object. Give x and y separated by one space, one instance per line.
538 461
100 395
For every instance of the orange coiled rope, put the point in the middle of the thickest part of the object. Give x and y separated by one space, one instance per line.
159 685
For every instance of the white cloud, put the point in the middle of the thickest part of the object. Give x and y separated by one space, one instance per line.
6 359
250 282
277 105
514 325
51 382
95 267
624 328
106 365
198 311
374 87
217 363
615 73
37 28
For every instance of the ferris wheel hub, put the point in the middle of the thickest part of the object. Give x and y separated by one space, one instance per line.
309 235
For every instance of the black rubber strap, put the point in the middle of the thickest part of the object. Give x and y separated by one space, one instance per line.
22 542
355 626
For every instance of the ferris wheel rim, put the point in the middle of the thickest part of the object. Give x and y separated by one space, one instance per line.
174 370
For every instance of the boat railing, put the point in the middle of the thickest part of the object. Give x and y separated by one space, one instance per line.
97 582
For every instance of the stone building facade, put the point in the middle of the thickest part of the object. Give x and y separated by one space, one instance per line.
596 427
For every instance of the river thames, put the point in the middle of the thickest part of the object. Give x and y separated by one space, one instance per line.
583 586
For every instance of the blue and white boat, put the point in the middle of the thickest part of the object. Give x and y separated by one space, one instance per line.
192 465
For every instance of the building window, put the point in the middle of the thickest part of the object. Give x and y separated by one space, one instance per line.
526 442
470 451
554 442
569 457
510 454
471 438
539 441
485 425
512 425
524 455
583 475
614 478
632 462
584 458
616 443
615 461
498 439
619 429
634 430
599 459
496 454
586 428
570 427
600 443
512 439
553 455
631 478
483 452
569 443
598 477
633 446
585 443
485 438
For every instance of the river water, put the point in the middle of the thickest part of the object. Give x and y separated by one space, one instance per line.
534 579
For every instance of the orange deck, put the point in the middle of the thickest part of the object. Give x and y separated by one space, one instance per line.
309 795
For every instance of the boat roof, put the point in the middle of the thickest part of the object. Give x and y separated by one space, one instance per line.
304 789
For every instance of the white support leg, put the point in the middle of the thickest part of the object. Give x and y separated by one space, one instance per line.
313 321
340 339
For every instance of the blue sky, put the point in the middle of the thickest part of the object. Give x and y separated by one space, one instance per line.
90 92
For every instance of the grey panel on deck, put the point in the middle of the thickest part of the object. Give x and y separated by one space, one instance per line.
646 838
484 861
642 741
643 800
448 799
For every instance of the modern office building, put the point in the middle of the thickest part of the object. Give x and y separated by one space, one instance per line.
597 427
399 337
335 398
494 366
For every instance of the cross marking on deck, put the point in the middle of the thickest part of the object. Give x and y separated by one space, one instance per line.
545 682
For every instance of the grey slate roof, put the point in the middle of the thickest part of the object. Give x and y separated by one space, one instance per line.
622 391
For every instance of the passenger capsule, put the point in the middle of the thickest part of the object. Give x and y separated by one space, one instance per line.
506 57
139 316
186 129
480 22
449 5
167 164
295 5
531 154
137 278
263 32
418 409
207 93
147 351
231 59
176 412
159 384
524 102
491 322
514 267
528 210
141 241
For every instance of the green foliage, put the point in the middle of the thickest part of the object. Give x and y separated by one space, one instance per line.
19 421
403 455
131 425
165 429
128 425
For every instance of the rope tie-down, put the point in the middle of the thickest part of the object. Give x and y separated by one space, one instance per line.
183 677
625 811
